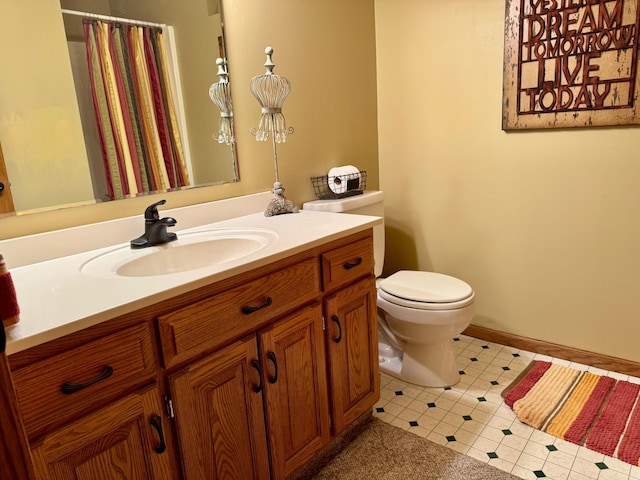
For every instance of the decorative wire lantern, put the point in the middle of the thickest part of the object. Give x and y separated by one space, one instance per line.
271 91
220 94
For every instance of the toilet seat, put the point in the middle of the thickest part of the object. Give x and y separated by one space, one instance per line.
425 290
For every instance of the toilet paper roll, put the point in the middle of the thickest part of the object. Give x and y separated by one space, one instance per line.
344 178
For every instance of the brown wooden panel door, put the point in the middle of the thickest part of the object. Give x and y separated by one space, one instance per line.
6 199
117 442
220 416
352 351
292 356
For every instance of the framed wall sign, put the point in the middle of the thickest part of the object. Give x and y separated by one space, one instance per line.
570 63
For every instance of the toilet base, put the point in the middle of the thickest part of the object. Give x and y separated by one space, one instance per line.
430 365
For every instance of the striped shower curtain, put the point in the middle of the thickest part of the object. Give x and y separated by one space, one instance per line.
135 108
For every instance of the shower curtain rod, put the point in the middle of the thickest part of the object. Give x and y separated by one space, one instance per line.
108 18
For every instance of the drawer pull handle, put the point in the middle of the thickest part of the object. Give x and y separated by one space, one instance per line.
272 356
337 321
255 364
68 388
248 309
156 422
350 265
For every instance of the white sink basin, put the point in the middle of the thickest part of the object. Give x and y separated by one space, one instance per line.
191 251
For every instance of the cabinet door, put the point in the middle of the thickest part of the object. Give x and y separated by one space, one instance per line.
352 352
122 441
219 415
292 356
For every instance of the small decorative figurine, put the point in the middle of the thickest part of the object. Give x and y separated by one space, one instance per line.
279 204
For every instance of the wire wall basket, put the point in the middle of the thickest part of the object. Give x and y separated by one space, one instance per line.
348 185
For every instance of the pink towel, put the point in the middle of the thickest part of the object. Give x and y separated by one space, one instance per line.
9 308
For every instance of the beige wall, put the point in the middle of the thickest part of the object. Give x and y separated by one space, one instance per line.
543 224
327 50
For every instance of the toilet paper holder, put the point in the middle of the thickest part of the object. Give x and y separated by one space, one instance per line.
356 185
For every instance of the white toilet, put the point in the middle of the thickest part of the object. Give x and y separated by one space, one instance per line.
419 313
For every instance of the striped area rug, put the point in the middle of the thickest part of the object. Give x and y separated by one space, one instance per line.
600 413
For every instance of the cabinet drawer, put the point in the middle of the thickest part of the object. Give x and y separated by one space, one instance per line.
343 265
53 391
216 321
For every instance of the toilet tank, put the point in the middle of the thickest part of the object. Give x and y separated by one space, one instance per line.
370 202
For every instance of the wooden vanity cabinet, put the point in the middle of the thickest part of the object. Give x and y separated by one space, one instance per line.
351 332
276 379
247 378
304 376
268 392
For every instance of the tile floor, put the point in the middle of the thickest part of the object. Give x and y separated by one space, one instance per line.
471 418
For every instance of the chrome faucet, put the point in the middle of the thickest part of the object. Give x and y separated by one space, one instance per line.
155 228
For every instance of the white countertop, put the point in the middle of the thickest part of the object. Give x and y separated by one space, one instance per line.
57 299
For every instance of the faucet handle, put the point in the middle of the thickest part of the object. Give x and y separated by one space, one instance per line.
151 213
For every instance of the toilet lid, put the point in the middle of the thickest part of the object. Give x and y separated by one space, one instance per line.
419 289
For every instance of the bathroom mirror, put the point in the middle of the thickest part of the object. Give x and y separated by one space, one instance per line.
47 129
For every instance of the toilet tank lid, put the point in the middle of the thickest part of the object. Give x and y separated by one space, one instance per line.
428 287
346 204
